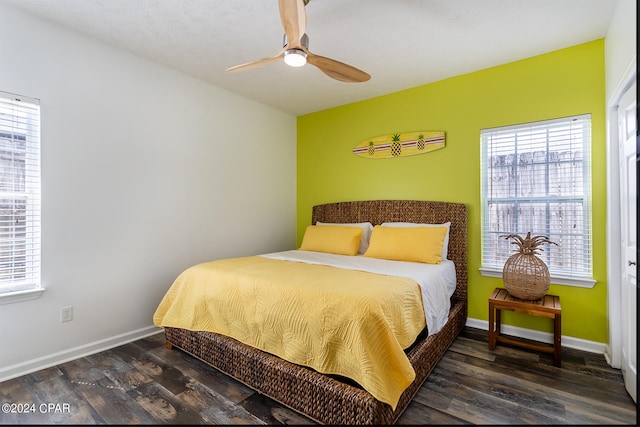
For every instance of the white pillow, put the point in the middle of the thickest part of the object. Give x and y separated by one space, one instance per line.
445 246
367 228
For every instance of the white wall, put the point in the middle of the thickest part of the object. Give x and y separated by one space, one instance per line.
145 171
620 43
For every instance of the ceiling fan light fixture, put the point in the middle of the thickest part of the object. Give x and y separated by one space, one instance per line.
295 57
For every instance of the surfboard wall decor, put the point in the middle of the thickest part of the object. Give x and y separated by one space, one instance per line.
400 144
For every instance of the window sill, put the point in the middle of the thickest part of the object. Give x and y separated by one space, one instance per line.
581 282
19 296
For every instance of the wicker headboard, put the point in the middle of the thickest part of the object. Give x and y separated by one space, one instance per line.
379 211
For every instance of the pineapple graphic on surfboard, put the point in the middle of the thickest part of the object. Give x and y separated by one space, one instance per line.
400 144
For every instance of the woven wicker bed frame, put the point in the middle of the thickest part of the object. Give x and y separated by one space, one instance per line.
327 399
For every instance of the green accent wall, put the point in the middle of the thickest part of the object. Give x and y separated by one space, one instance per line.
562 83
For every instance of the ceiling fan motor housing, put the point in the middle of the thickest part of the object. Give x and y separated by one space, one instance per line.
304 40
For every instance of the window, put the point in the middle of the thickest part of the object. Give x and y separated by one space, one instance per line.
19 197
537 177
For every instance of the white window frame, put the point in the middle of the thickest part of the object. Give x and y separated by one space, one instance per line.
494 254
20 121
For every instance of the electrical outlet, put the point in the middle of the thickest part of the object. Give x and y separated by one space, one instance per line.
66 314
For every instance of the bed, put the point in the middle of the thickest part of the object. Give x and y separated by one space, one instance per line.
332 398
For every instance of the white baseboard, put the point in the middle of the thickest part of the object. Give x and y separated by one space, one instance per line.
54 359
545 337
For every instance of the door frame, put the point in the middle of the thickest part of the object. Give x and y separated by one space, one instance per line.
613 351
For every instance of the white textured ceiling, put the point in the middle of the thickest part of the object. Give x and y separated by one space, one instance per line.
400 43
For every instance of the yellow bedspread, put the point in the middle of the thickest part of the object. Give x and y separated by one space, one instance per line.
336 321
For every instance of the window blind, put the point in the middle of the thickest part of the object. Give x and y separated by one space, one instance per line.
536 177
19 193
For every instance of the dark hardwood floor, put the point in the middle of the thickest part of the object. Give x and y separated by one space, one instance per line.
145 383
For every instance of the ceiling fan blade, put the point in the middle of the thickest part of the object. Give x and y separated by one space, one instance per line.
336 69
256 64
294 20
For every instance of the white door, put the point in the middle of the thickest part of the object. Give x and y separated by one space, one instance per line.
627 124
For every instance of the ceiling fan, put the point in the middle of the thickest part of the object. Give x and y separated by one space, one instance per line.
295 51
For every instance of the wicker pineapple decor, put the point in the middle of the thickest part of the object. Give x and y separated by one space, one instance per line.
524 275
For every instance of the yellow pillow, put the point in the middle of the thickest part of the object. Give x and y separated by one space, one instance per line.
332 239
415 244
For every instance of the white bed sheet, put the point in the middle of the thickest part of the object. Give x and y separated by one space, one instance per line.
437 281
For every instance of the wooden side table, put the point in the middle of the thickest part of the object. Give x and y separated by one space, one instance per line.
547 306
